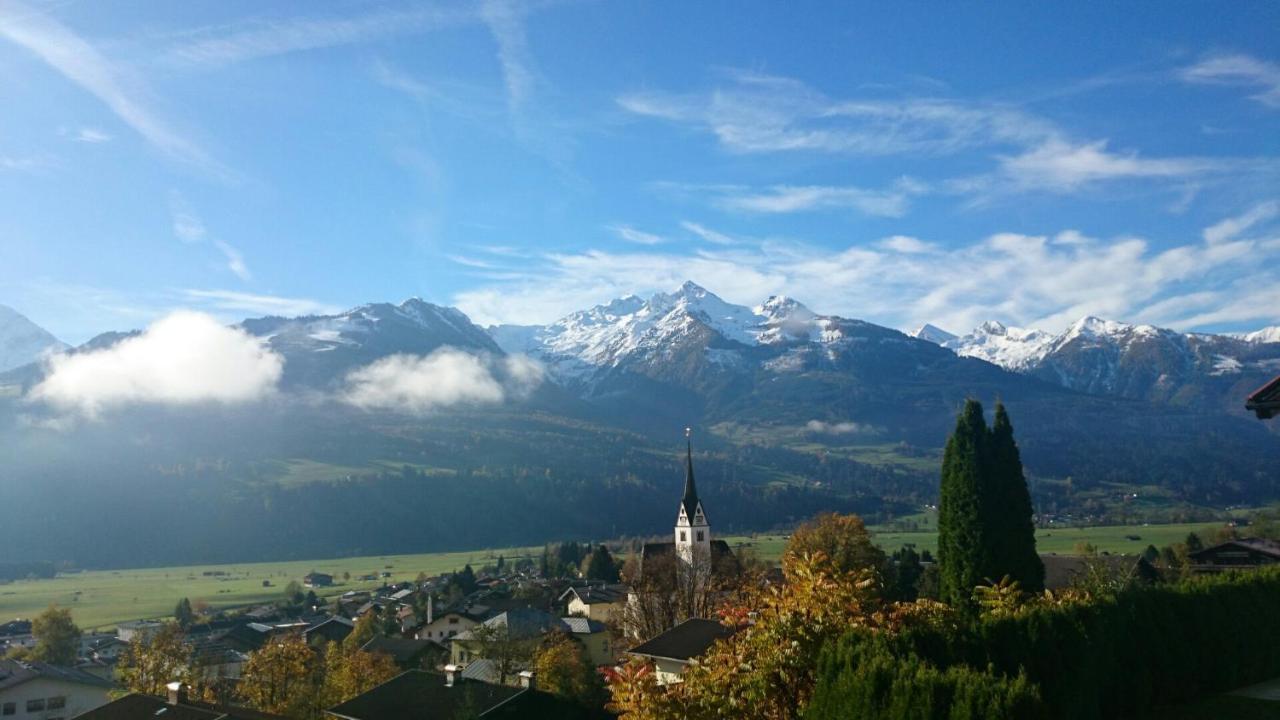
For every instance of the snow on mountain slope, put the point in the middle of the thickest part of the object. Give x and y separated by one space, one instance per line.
1265 335
630 329
22 341
933 334
1012 348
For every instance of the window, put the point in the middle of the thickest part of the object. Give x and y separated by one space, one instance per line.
57 703
683 536
35 705
699 536
9 709
453 621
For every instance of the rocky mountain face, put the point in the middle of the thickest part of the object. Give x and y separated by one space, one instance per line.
22 341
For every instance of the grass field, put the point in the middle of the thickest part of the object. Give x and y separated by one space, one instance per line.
102 598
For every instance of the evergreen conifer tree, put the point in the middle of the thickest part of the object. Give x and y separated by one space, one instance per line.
963 540
1013 530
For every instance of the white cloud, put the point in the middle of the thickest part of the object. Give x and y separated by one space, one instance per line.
753 113
223 45
240 302
1042 281
638 237
417 384
507 26
82 64
1242 70
90 135
183 358
1231 227
1061 166
187 226
837 428
706 233
235 260
791 199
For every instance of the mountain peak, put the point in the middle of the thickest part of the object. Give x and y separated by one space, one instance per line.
993 327
22 341
933 334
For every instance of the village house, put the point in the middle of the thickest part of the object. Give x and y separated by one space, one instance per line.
407 653
675 650
1236 554
331 629
451 623
1064 571
175 706
603 603
419 694
317 579
528 624
1265 401
39 691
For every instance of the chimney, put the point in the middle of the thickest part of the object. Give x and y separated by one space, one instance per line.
431 608
452 674
177 693
527 680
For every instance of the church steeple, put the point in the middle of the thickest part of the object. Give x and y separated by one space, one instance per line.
692 531
690 499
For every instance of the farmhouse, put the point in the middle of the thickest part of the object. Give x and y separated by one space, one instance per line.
315 580
527 624
39 691
676 649
1244 553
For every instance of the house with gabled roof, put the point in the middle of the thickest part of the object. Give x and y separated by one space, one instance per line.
425 695
40 691
675 650
602 602
1265 401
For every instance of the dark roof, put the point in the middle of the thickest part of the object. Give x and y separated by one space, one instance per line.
422 694
1270 548
1265 401
1061 571
149 707
684 642
335 629
597 594
16 672
690 499
403 651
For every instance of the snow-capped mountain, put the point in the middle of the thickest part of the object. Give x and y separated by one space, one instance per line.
1012 348
631 329
933 334
1135 361
1265 335
22 341
319 349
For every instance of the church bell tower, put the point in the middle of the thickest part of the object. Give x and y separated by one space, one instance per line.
692 532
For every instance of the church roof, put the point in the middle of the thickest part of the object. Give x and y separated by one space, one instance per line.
690 499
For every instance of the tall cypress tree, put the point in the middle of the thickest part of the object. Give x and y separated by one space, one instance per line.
1014 531
963 545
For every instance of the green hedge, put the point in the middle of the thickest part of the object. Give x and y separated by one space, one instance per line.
1112 658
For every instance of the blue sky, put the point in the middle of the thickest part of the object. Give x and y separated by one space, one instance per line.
897 162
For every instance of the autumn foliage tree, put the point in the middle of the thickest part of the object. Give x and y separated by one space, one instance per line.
151 662
57 637
282 678
562 669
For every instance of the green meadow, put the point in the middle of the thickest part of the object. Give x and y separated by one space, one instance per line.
102 598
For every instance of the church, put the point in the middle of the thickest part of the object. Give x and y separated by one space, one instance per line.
697 555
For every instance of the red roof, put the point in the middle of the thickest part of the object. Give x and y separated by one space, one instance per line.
1265 401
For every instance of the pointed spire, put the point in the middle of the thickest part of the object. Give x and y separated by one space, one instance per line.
690 499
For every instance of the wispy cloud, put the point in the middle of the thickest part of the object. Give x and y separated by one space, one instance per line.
902 281
506 22
235 260
231 301
639 237
90 135
1241 70
706 233
1061 166
83 64
790 199
752 113
223 45
190 229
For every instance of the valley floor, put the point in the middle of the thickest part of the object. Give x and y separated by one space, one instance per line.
102 598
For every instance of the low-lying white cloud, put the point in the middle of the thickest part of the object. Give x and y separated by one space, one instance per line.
418 384
183 358
836 428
